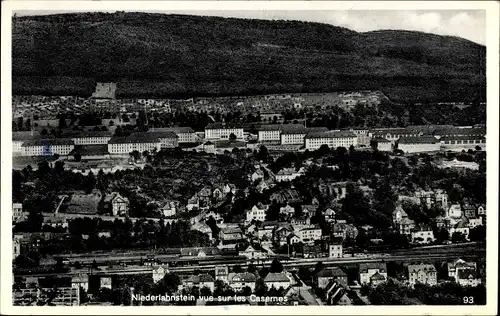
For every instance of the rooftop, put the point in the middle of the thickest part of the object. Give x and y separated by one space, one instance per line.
48 142
135 138
364 267
413 268
330 134
276 277
418 140
332 272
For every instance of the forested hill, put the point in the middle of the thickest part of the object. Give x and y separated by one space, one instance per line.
178 55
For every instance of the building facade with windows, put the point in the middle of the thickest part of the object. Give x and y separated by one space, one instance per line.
422 273
333 139
47 147
219 131
418 144
92 138
139 142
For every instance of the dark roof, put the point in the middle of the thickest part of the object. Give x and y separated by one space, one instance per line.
284 128
177 130
417 140
90 150
381 140
364 267
135 138
276 277
462 137
92 134
48 142
163 134
412 268
243 277
467 274
222 126
331 272
330 134
200 278
377 276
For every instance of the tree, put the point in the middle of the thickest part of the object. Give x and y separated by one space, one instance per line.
260 288
205 291
441 234
232 137
237 269
44 132
276 266
478 233
319 267
251 268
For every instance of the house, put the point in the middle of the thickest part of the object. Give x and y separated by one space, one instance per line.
418 144
221 273
237 281
257 213
343 230
287 210
383 144
422 273
200 252
335 294
442 221
47 147
257 175
230 235
481 210
219 131
281 234
457 265
169 208
402 222
292 239
262 186
422 234
287 174
312 251
200 281
335 250
251 252
460 227
468 277
377 279
469 211
367 270
475 222
55 221
158 273
17 212
310 234
216 216
333 139
322 278
329 215
455 211
205 194
80 281
277 280
118 204
301 221
193 203
309 209
141 142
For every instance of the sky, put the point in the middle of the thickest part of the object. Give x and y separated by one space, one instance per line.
468 24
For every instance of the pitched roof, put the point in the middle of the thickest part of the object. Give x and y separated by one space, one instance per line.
377 277
92 134
200 278
276 277
135 138
48 142
413 268
364 267
242 277
330 134
465 274
223 126
418 140
331 272
286 128
178 130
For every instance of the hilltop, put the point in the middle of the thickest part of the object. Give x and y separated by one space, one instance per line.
178 55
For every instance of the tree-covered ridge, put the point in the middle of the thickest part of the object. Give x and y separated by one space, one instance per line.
160 54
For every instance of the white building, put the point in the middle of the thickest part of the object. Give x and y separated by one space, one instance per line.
335 251
184 134
418 144
220 132
367 270
455 211
309 235
169 209
139 142
277 280
422 235
17 211
459 143
287 174
422 273
258 213
92 138
333 139
47 147
475 222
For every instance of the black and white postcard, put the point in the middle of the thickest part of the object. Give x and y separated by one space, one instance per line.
249 157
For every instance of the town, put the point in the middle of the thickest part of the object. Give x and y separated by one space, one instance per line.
254 200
